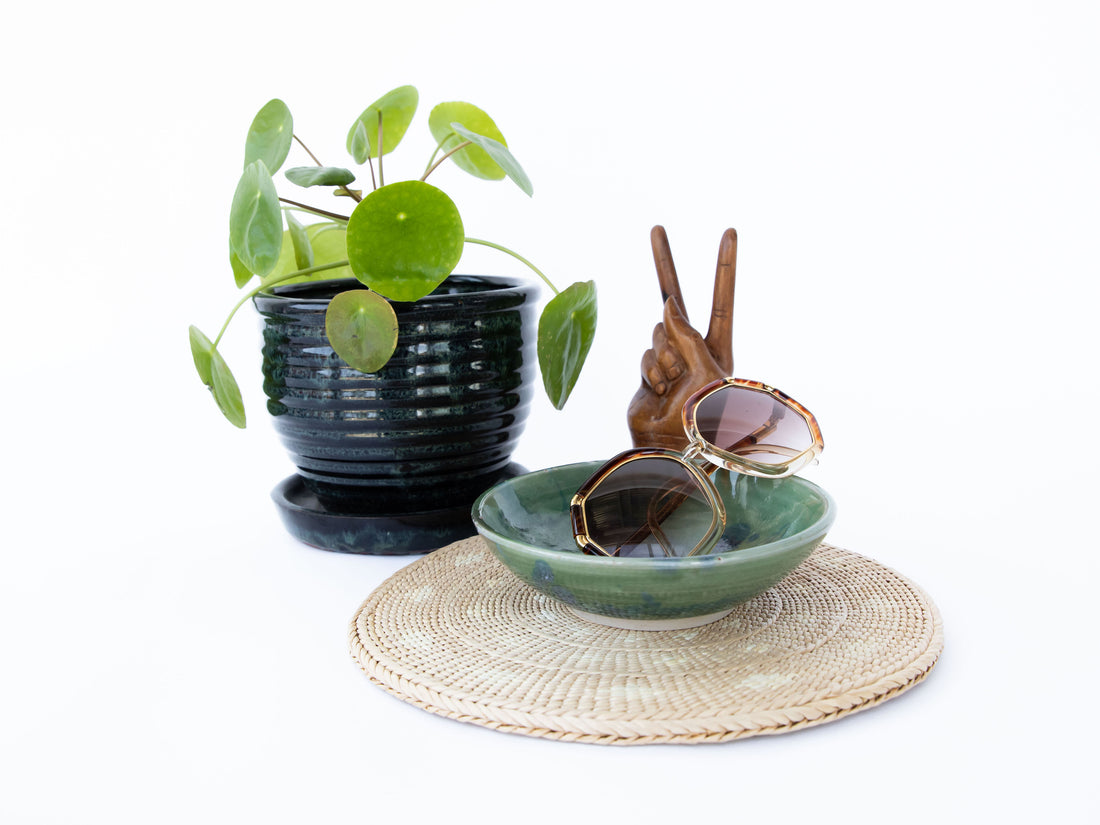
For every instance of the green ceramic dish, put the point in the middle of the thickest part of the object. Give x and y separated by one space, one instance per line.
772 526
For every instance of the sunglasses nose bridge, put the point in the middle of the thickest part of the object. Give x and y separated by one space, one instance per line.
694 449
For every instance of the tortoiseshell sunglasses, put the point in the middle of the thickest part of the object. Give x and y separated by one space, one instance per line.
649 502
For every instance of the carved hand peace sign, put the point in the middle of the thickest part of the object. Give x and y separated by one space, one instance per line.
681 360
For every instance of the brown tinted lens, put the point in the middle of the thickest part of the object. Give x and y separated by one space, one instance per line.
753 424
651 507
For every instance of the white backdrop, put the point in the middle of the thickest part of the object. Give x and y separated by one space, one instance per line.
915 190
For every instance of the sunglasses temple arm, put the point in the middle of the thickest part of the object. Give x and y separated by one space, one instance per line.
753 438
662 539
652 526
667 509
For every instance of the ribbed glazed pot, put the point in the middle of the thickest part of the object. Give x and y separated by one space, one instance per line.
432 429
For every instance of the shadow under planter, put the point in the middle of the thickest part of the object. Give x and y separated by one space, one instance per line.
390 462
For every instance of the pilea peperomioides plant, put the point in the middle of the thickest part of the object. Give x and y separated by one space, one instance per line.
400 241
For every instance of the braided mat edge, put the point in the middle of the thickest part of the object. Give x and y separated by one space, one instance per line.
457 635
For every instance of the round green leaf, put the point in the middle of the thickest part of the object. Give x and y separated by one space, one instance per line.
362 328
329 246
329 242
201 349
472 159
499 153
241 274
270 135
319 176
359 143
396 109
226 392
215 374
256 221
299 239
404 239
566 330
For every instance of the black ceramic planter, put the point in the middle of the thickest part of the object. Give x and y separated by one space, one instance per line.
414 443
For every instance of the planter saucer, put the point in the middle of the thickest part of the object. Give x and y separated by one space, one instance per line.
312 523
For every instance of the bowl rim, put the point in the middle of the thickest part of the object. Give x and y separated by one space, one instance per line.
763 551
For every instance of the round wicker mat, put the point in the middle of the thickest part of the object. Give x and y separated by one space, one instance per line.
455 633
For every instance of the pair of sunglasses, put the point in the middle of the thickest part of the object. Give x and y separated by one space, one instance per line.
659 503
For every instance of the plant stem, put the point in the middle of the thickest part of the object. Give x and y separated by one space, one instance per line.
518 257
343 189
307 150
373 182
322 212
273 282
433 167
429 167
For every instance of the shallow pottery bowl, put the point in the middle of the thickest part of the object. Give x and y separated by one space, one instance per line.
772 526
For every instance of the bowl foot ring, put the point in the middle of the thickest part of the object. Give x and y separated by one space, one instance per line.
456 634
649 624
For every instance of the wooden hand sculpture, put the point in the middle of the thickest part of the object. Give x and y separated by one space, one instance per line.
681 360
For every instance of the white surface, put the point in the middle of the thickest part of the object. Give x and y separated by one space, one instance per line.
915 189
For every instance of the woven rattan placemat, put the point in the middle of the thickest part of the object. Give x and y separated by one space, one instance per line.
455 633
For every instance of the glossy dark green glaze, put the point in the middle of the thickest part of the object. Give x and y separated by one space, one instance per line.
429 431
311 522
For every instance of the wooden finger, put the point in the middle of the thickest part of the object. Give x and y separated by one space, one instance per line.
671 364
720 332
666 269
660 337
678 333
652 374
668 357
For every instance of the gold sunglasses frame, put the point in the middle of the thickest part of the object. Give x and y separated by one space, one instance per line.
713 458
738 463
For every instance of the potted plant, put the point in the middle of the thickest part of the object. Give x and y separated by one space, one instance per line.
398 388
